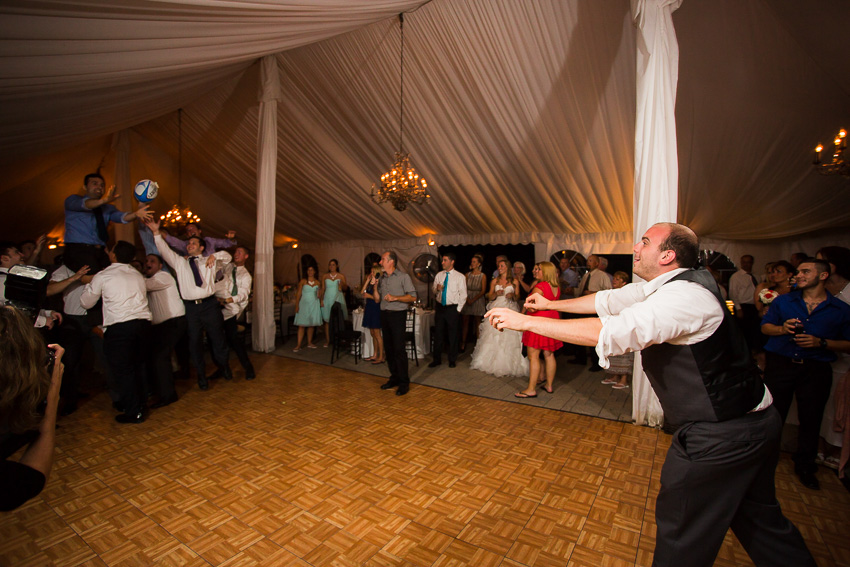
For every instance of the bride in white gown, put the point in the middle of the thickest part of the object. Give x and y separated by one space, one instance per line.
500 352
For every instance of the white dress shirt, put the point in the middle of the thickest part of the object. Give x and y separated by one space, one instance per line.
189 290
224 289
122 288
455 290
598 281
741 288
70 295
163 297
642 314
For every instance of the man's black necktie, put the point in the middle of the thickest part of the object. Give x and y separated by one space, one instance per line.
195 272
755 281
102 233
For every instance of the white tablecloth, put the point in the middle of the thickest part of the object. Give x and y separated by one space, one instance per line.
424 321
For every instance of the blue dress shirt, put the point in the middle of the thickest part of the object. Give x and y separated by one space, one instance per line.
80 224
829 320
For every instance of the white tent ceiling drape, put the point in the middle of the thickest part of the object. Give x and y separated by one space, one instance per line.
520 114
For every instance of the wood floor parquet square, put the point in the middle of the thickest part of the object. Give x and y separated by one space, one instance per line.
312 465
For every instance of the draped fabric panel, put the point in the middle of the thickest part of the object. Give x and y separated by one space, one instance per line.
521 115
656 167
263 328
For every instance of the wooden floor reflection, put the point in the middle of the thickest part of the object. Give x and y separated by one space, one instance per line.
314 465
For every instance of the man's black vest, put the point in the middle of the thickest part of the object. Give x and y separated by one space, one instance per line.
713 380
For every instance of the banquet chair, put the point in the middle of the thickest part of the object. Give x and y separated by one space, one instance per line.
342 335
410 335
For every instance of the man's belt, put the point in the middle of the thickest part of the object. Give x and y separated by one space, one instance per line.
199 301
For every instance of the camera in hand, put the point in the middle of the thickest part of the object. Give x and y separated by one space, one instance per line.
798 328
50 359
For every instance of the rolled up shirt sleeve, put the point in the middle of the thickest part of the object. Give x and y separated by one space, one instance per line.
680 313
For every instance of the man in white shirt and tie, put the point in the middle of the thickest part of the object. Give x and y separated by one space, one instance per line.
169 326
196 280
126 322
450 290
233 292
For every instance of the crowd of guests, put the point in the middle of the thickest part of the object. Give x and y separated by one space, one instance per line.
131 312
795 320
136 314
460 301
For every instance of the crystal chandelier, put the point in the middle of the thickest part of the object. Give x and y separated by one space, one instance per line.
179 215
401 185
838 165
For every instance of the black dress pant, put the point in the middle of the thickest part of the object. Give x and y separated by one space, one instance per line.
164 337
78 255
446 326
810 381
721 475
392 328
237 345
75 332
126 346
206 316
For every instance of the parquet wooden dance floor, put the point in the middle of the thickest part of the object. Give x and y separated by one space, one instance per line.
313 465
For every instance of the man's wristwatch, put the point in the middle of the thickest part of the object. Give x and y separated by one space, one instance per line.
823 343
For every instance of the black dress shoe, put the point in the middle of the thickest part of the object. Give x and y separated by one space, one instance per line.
203 385
452 364
250 375
809 480
130 417
434 364
228 374
402 390
390 384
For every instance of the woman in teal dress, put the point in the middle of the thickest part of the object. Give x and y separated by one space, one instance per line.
308 310
333 286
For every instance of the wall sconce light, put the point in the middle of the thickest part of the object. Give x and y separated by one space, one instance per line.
294 245
431 241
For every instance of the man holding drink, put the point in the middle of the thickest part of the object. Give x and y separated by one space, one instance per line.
806 327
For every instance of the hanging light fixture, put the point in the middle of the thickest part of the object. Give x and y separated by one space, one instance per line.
179 215
401 185
838 165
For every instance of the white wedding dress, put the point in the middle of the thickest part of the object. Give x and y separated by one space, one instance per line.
499 352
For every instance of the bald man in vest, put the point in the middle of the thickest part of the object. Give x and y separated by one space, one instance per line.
719 472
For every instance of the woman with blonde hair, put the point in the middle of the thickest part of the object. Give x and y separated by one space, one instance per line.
25 380
547 286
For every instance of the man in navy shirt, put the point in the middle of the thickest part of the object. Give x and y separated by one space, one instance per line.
806 327
86 220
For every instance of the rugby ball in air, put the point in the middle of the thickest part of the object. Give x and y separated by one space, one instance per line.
146 190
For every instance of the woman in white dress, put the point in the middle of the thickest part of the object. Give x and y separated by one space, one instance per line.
500 352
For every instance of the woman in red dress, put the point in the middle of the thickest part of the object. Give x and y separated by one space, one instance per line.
547 286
